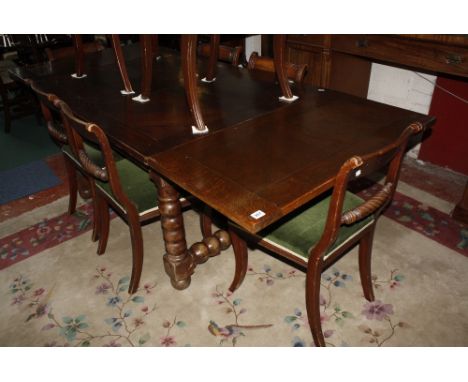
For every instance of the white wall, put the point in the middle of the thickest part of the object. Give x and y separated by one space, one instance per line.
402 88
253 44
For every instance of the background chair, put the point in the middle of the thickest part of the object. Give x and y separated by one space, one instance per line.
318 235
48 103
120 184
229 54
16 100
54 54
294 72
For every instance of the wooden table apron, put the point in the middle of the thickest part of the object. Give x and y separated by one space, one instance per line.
260 154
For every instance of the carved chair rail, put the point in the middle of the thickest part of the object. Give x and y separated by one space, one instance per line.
368 207
98 172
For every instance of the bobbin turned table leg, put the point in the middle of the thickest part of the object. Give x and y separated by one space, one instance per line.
178 264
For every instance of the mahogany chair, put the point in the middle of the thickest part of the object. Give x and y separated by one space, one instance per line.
120 184
16 100
316 236
69 51
48 103
294 72
229 54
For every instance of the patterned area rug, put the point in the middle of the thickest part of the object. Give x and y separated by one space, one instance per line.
66 295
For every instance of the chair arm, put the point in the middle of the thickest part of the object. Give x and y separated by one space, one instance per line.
98 172
368 206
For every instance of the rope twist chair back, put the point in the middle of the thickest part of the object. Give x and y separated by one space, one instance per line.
80 132
46 101
353 168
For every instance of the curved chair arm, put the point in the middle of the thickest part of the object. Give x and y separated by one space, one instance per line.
92 168
368 207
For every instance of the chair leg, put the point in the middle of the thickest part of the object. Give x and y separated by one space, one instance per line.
365 254
206 222
137 251
314 272
241 257
72 185
96 215
103 216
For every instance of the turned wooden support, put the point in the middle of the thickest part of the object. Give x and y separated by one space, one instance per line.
115 38
210 246
79 57
213 59
178 264
279 43
188 53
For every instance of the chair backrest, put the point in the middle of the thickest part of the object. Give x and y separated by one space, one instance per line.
47 102
81 132
69 51
357 167
294 72
226 53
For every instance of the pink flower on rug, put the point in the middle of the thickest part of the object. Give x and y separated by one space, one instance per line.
168 341
377 310
113 343
138 322
43 231
39 292
103 288
17 300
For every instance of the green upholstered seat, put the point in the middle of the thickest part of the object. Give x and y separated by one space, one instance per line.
136 184
301 232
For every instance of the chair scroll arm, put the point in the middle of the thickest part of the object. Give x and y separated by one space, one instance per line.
368 207
92 168
58 135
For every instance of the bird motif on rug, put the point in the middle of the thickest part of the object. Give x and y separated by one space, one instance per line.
231 331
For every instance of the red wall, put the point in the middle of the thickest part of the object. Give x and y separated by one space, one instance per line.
447 146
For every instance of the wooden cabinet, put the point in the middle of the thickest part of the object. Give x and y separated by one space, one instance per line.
343 62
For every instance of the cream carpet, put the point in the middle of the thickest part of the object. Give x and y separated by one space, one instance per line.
69 296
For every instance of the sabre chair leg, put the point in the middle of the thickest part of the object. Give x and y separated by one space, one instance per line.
72 185
96 216
241 257
314 272
103 216
365 255
137 251
206 222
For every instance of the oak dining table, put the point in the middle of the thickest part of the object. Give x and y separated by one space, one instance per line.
260 159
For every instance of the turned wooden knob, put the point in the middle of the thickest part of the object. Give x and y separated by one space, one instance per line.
200 252
224 239
213 244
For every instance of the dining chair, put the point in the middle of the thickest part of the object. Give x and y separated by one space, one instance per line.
316 236
294 72
16 100
57 132
229 54
69 51
120 184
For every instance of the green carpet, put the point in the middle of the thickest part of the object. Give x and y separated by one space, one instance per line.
28 141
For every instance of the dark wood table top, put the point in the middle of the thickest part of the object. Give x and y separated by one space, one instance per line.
260 154
140 130
280 160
